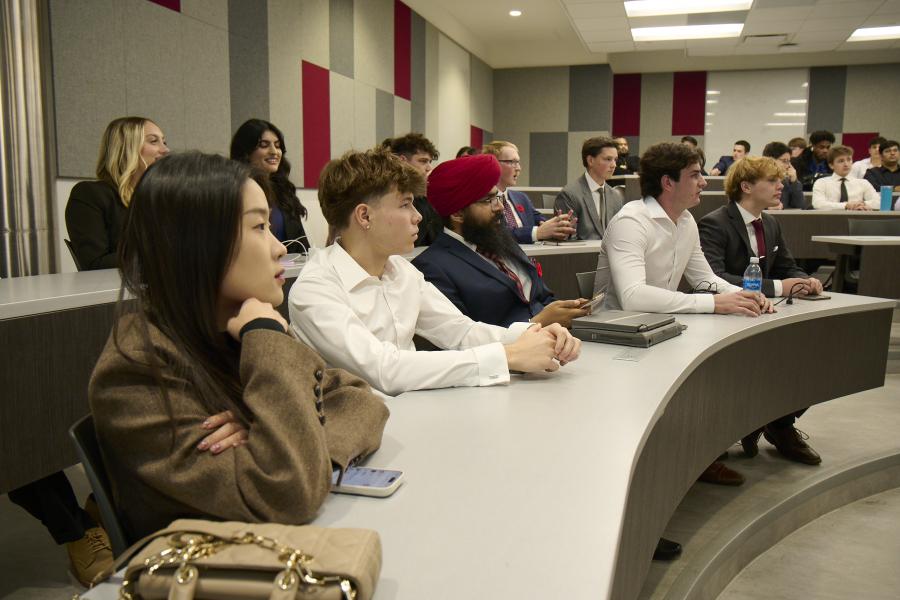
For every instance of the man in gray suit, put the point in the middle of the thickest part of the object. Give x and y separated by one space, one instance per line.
589 197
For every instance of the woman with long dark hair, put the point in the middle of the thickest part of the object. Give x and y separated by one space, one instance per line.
260 144
201 336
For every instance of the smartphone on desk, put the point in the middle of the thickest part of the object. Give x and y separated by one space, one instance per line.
822 296
594 302
366 481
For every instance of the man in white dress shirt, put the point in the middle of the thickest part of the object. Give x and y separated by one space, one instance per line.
359 302
873 160
840 190
652 242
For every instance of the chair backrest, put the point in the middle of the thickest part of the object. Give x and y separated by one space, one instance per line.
72 252
88 449
874 226
586 284
548 200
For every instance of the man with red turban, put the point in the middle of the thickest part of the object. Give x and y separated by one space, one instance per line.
476 262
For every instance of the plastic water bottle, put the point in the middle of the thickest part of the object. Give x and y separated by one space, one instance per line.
753 276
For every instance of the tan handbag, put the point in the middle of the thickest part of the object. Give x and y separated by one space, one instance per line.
205 560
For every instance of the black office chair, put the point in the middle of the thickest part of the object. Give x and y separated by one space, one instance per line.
85 438
874 226
586 284
72 253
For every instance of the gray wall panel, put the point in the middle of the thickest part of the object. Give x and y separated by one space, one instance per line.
249 68
827 90
384 115
590 97
536 98
340 37
205 98
548 158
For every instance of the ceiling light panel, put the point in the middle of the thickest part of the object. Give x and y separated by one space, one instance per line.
650 8
871 34
686 32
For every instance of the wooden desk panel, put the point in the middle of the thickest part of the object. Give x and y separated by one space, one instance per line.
798 227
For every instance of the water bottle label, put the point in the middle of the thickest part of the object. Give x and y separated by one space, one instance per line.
752 284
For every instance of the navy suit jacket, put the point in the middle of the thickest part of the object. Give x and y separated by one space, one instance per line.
479 289
527 214
726 244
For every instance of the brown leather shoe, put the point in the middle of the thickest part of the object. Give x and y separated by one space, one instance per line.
750 443
791 443
719 474
90 556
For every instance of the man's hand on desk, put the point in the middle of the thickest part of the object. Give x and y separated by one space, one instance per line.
857 205
797 286
557 228
746 303
567 346
562 312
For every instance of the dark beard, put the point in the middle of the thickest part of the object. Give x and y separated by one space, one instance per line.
493 237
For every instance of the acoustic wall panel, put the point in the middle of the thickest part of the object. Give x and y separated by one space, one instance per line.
549 154
590 97
340 37
316 121
248 67
384 115
402 116
656 108
827 90
575 141
213 12
402 50
859 142
626 109
476 137
206 97
364 117
536 98
417 72
453 97
871 100
481 103
432 82
373 43
342 112
88 93
689 103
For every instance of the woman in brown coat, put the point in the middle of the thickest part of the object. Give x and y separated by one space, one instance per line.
201 336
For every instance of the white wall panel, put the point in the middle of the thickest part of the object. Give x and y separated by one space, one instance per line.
453 98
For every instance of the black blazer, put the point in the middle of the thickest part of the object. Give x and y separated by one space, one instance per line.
726 244
95 217
478 289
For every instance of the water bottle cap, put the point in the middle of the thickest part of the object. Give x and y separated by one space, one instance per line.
754 260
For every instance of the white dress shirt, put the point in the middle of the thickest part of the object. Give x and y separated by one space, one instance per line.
748 218
643 256
365 324
512 265
859 168
518 219
826 193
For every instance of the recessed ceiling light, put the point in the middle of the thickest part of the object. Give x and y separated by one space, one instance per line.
713 92
805 84
686 32
650 8
712 101
797 101
515 13
785 124
871 34
788 114
710 114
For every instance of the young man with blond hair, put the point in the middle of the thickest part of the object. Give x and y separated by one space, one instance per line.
840 190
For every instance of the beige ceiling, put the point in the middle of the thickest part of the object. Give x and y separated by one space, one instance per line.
783 33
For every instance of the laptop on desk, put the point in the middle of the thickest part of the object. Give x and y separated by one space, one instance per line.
626 328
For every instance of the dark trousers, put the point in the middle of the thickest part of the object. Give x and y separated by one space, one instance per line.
52 501
787 420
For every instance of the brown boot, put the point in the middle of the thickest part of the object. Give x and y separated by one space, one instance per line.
719 474
90 556
791 443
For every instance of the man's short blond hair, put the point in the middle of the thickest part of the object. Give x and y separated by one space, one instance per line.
750 169
497 146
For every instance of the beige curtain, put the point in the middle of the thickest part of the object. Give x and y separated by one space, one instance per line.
26 166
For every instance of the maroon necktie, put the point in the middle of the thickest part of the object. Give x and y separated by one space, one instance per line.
506 271
760 238
508 213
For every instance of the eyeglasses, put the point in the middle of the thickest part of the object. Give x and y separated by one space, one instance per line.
498 198
512 163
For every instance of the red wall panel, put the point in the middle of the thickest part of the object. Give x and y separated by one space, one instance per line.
476 137
316 122
859 142
626 117
689 103
402 50
170 4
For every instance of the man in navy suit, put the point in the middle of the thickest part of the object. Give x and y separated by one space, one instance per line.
729 236
476 262
740 149
527 224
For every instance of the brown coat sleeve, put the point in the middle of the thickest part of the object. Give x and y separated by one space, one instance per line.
282 474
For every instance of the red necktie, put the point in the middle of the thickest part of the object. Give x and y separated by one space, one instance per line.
508 213
506 271
760 238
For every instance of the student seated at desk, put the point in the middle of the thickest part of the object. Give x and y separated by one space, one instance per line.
202 336
475 261
730 236
652 242
792 192
359 302
96 211
840 191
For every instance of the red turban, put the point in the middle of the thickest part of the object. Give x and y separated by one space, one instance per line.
455 184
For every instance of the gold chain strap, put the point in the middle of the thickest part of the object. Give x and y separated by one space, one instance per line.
187 547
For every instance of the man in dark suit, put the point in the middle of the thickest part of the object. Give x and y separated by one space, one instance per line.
812 163
593 202
477 263
626 164
740 149
526 223
739 230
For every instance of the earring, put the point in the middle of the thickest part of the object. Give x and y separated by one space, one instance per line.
368 227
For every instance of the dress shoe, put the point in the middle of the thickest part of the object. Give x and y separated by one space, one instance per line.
750 443
791 443
666 550
90 556
719 474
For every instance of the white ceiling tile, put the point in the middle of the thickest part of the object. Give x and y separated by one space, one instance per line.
763 27
851 9
820 36
710 51
769 40
613 47
601 24
786 14
891 6
845 23
882 20
714 43
809 47
617 35
596 10
745 50
667 45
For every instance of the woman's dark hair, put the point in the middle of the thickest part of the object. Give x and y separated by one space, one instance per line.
181 234
245 141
